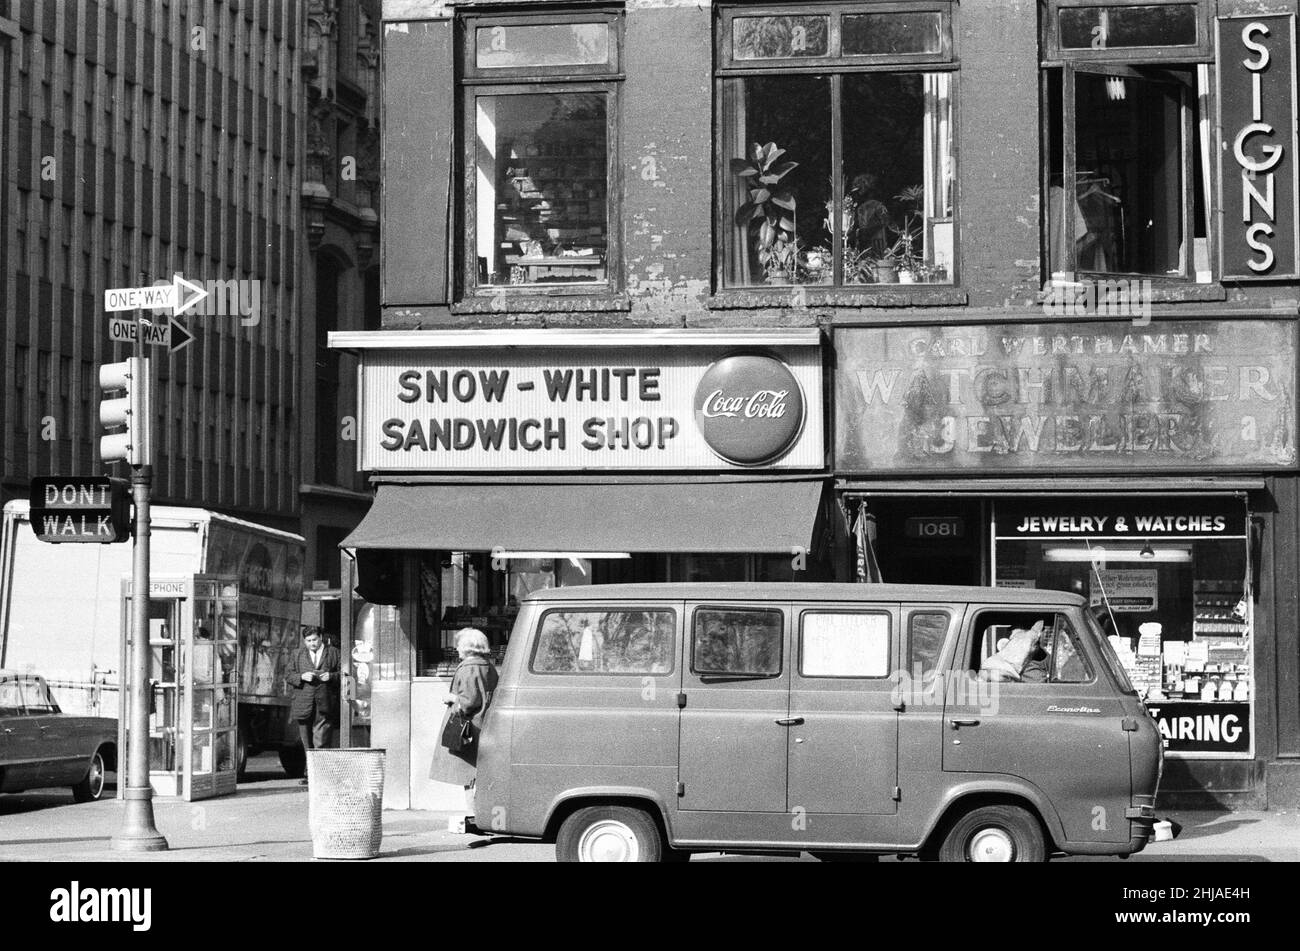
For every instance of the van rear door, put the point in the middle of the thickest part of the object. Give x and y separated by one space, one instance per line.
843 742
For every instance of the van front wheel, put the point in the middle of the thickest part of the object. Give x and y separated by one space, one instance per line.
609 834
994 834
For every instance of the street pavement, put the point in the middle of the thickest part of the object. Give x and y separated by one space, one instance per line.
266 821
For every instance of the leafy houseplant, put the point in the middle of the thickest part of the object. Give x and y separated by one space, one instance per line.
910 266
768 212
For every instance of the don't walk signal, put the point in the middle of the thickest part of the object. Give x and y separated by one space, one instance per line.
93 509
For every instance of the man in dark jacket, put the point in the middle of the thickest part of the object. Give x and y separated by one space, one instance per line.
314 677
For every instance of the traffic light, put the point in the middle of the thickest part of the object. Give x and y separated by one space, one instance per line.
130 409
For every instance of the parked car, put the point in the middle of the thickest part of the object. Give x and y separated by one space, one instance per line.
41 747
645 722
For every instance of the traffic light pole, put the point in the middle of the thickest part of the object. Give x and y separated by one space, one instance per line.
138 832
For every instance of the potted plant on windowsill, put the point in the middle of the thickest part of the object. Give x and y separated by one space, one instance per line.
911 269
768 214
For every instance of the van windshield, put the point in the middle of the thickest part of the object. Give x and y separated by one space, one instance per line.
1108 652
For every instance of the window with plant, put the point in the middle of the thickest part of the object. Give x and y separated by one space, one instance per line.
836 126
1128 127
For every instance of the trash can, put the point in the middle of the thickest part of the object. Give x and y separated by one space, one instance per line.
345 811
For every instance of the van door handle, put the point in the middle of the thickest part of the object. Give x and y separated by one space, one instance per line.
957 724
790 721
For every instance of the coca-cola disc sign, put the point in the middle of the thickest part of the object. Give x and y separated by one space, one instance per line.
749 408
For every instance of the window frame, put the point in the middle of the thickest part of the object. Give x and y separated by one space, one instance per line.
1090 669
47 706
472 22
472 82
908 639
1069 162
606 609
1139 62
835 57
834 66
857 612
715 675
972 642
1201 52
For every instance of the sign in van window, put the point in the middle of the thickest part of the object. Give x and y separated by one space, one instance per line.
737 641
600 641
841 644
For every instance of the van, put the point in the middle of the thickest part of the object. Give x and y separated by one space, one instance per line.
644 722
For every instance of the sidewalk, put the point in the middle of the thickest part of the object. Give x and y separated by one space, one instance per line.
267 822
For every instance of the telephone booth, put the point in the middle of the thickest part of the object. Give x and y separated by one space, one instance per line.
193 684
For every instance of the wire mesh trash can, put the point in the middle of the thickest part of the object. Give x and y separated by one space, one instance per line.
345 802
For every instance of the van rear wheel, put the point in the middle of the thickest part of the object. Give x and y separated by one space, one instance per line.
994 834
609 834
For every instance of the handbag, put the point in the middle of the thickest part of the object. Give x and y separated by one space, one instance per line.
457 733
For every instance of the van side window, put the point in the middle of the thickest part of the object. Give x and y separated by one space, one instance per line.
1069 664
740 641
926 632
1027 647
1009 646
844 644
605 641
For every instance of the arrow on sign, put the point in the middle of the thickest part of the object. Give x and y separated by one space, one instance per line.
179 336
180 285
174 336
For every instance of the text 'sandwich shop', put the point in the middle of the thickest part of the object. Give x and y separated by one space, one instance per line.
508 461
1150 470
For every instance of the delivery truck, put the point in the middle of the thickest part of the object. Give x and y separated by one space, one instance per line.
62 612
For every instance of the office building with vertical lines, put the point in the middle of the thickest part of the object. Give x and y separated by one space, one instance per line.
147 138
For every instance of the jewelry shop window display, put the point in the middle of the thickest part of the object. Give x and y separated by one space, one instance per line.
1169 582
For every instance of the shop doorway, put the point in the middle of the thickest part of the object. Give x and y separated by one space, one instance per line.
928 541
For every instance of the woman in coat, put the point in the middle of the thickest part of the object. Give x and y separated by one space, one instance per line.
471 694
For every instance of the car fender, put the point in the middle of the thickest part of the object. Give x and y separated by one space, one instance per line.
642 793
977 784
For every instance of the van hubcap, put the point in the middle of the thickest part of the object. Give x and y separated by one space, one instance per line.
608 841
991 845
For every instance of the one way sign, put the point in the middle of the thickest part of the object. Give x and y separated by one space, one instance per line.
156 297
173 335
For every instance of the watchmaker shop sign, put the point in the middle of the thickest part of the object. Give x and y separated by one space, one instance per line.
1257 154
1175 395
630 408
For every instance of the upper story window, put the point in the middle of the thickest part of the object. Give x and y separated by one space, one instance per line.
541 109
1127 137
836 133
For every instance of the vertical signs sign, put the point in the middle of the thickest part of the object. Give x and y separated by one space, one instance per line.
1257 151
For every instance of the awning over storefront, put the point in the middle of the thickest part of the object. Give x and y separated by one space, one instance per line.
1010 488
741 516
